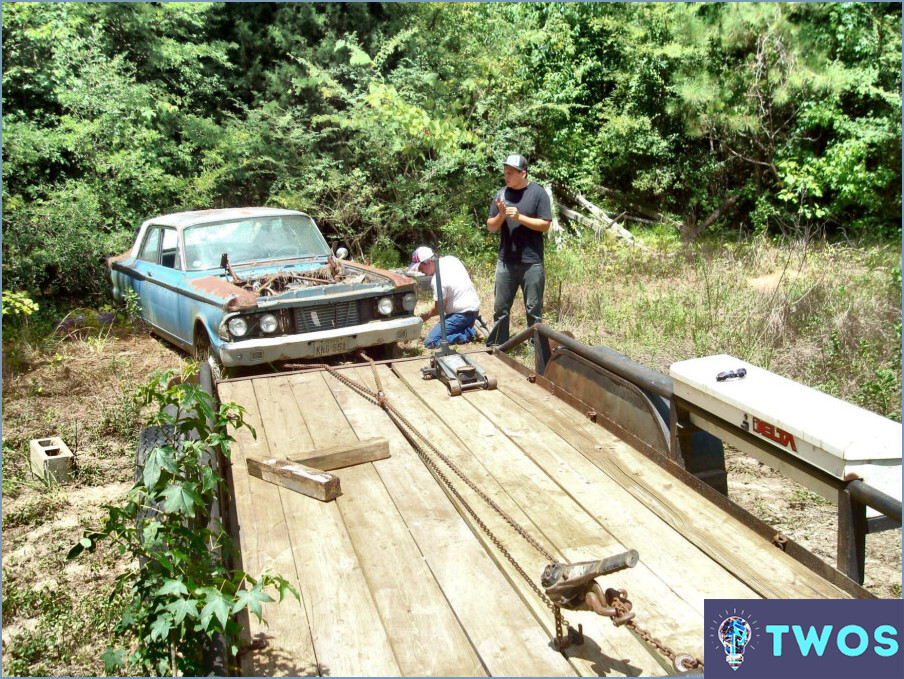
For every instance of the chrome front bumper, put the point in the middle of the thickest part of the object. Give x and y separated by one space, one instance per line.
316 344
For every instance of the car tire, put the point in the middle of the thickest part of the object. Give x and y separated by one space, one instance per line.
148 439
708 460
205 353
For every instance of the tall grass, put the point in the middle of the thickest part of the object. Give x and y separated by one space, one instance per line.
824 314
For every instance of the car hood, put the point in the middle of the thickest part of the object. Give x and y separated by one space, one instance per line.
253 286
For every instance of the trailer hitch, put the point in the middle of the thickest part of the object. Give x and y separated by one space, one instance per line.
573 586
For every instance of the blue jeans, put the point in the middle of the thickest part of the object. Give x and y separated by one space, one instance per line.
531 278
459 330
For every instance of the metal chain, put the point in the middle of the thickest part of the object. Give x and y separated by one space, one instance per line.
397 417
681 661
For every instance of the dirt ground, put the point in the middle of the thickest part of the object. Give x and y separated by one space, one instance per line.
57 617
810 520
56 614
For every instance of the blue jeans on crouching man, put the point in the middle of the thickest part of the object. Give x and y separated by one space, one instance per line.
459 330
531 278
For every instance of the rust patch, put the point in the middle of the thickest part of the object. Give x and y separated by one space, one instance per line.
232 296
118 258
397 279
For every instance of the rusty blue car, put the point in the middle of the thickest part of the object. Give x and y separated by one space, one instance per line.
251 286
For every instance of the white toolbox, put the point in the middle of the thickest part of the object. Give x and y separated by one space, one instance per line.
837 437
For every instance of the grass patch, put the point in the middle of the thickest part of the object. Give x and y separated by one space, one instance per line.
827 315
35 510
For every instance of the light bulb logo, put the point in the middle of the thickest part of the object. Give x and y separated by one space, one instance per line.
734 633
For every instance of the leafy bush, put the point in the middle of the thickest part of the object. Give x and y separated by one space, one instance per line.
182 593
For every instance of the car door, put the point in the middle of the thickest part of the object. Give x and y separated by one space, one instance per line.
160 265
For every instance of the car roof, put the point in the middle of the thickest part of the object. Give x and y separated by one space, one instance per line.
184 219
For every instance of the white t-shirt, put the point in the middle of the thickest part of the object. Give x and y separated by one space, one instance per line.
458 290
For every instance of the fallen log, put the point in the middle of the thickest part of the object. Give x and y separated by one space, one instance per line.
600 221
612 224
652 216
599 226
558 233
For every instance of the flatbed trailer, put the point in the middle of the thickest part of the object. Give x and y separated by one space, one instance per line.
397 577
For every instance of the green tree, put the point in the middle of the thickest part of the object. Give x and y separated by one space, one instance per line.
101 131
800 99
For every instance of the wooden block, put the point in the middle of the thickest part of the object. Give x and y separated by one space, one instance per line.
296 476
348 455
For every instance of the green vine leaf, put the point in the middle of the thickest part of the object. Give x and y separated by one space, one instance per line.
182 497
252 599
182 608
217 605
161 626
113 660
172 587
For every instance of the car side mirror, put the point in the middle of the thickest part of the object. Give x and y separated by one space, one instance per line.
341 253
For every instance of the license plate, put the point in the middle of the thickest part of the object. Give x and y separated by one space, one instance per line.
330 347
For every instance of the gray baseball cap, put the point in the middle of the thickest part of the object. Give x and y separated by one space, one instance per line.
516 161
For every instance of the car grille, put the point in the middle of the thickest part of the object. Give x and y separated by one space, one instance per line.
326 316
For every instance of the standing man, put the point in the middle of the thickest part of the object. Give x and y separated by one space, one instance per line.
521 213
461 303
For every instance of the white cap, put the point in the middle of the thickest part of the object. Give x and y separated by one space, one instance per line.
422 254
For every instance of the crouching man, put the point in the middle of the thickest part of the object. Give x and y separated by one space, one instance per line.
460 301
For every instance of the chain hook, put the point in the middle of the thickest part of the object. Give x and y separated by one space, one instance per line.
685 664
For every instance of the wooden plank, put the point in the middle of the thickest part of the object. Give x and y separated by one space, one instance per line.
615 650
577 534
297 477
348 634
737 548
263 542
411 604
506 635
348 455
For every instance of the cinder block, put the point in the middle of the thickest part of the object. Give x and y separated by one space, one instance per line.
51 459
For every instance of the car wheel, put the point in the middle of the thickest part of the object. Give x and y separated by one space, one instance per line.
204 353
153 437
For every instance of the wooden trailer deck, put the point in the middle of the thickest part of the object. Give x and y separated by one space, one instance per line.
395 577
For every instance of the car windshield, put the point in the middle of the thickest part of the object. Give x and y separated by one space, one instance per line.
247 240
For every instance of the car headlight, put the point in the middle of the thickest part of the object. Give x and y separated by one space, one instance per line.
384 306
238 326
409 301
269 323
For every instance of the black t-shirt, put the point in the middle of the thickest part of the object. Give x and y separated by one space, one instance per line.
517 243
